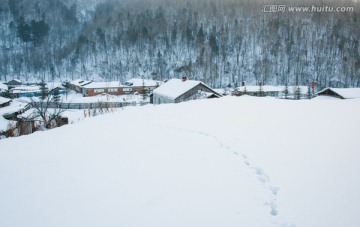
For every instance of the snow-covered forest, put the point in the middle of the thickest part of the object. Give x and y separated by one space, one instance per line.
219 42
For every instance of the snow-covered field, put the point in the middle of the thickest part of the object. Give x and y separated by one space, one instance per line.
234 161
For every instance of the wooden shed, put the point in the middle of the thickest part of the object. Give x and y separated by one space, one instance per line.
4 102
13 83
133 86
342 93
176 90
3 87
76 85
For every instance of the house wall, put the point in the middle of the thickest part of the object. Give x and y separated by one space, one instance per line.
13 83
192 92
5 104
329 92
159 99
120 90
95 91
75 88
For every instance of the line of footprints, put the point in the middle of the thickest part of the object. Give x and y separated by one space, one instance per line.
258 172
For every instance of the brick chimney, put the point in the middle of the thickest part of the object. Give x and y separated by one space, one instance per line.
184 78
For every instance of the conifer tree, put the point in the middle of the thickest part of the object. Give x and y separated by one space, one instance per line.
297 94
44 91
143 90
55 96
286 91
309 95
261 90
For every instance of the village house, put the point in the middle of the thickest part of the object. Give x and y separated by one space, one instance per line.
97 88
142 86
3 87
342 93
176 90
76 85
4 102
25 91
133 86
14 83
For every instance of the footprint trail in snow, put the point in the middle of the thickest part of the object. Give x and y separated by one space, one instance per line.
256 171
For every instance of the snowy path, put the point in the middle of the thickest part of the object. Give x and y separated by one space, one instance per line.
254 170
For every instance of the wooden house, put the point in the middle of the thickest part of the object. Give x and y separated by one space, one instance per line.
13 83
133 86
342 93
4 102
142 86
3 87
76 85
25 91
97 88
176 90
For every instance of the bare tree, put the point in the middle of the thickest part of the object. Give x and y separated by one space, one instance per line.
47 109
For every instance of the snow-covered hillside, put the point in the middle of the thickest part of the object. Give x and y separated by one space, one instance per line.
234 161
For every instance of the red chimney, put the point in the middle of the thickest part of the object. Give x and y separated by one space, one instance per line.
184 78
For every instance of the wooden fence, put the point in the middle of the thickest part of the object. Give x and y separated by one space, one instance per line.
79 106
75 106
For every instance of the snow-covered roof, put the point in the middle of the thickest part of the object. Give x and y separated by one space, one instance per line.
4 100
103 84
54 85
80 82
16 80
24 89
137 82
3 87
3 124
346 93
15 106
176 87
209 94
220 91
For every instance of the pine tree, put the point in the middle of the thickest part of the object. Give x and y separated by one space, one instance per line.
297 94
24 30
213 43
55 96
286 91
261 90
309 96
44 91
39 29
200 39
143 90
